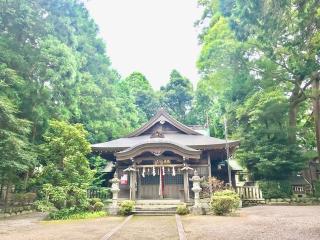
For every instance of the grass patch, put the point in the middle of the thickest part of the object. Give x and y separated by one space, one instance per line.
77 215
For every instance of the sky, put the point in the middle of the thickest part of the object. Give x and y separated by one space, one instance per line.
149 36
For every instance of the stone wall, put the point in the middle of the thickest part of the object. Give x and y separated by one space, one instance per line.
16 210
293 201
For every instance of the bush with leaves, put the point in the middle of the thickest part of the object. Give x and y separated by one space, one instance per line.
43 206
126 207
94 200
276 189
182 209
316 186
210 186
98 206
66 174
224 202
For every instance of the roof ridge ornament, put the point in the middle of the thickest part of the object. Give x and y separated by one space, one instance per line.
158 133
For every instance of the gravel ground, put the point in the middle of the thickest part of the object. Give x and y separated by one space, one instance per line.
149 227
31 227
261 222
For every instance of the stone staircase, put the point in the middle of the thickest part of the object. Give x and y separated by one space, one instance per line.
156 207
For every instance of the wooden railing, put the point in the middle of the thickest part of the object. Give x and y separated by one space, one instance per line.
102 193
249 193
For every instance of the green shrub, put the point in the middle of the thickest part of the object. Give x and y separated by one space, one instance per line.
98 206
94 200
108 193
78 197
224 202
182 209
317 188
43 206
66 213
58 196
275 189
61 214
126 207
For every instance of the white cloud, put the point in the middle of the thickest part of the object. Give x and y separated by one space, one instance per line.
149 36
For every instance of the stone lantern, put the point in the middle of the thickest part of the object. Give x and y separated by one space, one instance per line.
196 209
113 209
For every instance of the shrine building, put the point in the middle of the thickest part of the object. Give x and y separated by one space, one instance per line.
158 160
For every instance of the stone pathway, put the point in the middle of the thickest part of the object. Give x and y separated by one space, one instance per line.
182 234
116 229
148 227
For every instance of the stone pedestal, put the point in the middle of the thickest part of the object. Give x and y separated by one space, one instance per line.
196 209
114 208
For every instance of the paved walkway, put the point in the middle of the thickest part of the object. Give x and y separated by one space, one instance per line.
262 222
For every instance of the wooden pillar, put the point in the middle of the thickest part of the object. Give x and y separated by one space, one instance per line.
186 182
209 164
133 181
209 169
138 184
133 185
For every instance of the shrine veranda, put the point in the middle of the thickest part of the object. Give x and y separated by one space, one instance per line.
158 160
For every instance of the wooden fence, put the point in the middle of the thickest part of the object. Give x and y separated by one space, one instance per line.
102 193
250 193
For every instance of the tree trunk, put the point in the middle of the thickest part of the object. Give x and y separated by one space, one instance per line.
1 189
25 184
34 132
292 134
294 101
316 108
6 197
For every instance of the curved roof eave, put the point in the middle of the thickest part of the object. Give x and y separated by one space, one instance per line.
101 148
162 146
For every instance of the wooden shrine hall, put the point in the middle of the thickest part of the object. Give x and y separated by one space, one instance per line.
158 160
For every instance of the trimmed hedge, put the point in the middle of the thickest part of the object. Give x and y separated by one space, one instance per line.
126 207
98 206
182 209
224 202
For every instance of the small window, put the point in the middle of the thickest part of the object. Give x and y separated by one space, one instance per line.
298 188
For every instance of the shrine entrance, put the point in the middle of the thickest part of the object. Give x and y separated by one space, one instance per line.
160 184
157 170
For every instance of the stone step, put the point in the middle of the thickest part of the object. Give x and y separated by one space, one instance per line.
154 213
156 206
158 202
155 209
